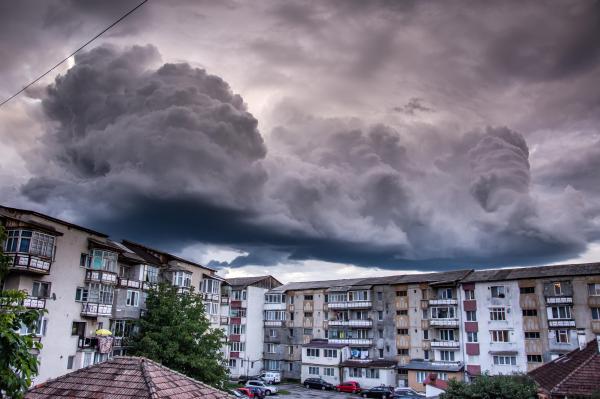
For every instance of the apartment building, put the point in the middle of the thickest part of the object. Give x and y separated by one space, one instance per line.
87 282
323 359
245 329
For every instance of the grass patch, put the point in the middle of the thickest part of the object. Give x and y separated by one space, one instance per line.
283 392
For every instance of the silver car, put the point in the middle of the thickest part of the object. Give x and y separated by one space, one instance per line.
269 389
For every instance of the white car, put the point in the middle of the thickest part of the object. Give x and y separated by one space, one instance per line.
269 389
271 377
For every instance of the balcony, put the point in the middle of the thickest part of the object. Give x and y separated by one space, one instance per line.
90 309
552 300
351 341
209 296
34 303
100 276
224 320
29 263
224 300
443 322
87 343
274 323
147 285
351 323
445 344
561 323
596 326
439 301
350 305
128 283
275 306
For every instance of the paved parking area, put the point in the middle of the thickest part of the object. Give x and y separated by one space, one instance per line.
299 392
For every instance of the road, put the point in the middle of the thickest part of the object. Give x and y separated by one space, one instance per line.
299 392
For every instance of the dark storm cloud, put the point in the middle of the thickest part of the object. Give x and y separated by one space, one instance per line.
413 106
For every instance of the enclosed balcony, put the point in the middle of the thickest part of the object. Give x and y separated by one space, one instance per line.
443 322
29 263
450 301
350 305
128 283
30 250
445 344
90 309
100 276
351 341
34 303
351 323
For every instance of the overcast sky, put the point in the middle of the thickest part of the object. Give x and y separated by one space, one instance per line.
312 139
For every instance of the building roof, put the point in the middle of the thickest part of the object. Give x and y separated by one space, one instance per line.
433 366
125 377
11 212
147 253
518 273
268 281
434 381
574 374
377 363
323 343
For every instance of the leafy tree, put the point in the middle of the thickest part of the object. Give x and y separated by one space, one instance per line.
175 331
18 364
516 386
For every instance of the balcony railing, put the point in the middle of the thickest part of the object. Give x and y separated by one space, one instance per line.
443 322
561 323
129 283
443 301
224 320
351 323
351 341
350 305
95 309
559 299
224 300
34 303
100 276
209 296
29 263
445 344
274 323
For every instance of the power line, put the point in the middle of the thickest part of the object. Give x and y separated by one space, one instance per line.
73 53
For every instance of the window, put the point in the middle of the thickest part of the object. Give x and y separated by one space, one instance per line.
70 360
594 289
39 328
328 371
103 260
308 314
472 337
337 297
497 314
232 363
557 288
332 353
595 313
290 366
123 328
447 356
291 350
421 376
402 312
308 298
84 260
27 241
271 348
560 312
78 328
100 293
81 294
380 353
425 355
308 331
275 315
313 370
312 352
272 333
500 336
151 274
182 278
529 312
133 298
237 312
447 335
211 286
532 334
401 293
211 308
471 315
372 373
469 294
527 290
534 358
402 331
355 372
380 315
445 293
403 352
425 334
505 360
498 291
443 313
40 289
238 295
380 333
562 336
380 296
274 298
442 376
237 329
238 346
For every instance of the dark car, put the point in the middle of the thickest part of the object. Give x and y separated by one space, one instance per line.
378 392
406 393
317 383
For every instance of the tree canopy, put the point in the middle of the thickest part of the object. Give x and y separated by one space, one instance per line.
175 331
514 386
18 364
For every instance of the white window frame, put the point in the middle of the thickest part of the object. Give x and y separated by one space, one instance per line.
133 298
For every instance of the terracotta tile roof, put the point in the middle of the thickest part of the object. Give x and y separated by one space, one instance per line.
125 377
436 382
574 374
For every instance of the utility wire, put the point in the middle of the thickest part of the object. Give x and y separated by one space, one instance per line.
73 53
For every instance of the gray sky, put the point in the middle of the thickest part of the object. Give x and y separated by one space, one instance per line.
302 137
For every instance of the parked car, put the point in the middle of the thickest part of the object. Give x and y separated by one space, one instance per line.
242 379
317 383
382 392
245 392
269 389
349 387
271 377
407 393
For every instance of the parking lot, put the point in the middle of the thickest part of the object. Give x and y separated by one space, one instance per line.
299 392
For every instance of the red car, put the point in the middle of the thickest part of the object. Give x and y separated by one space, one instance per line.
247 392
349 387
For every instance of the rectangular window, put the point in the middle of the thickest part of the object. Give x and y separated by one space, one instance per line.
402 352
561 312
505 360
402 312
425 334
100 293
372 373
425 355
500 336
232 363
471 315
532 335
103 260
355 372
557 288
595 313
497 314
84 260
308 331
442 376
272 333
271 348
447 356
182 279
498 291
401 293
238 346
27 241
534 358
81 294
70 360
151 274
445 293
40 289
78 328
308 298
313 370
471 337
331 353
447 335
421 376
562 336
312 352
527 290
328 371
529 312
594 289
380 296
380 315
133 298
402 331
275 315
308 314
290 350
274 298
469 294
380 353
443 313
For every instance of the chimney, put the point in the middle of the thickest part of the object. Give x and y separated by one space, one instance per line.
581 339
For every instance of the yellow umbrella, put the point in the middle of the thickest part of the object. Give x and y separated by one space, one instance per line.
103 332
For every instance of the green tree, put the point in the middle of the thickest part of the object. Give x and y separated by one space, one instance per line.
175 331
18 364
516 386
